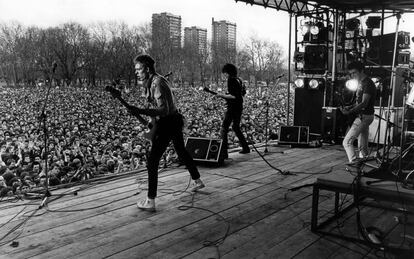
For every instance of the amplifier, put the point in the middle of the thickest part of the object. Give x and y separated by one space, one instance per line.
294 135
386 41
205 149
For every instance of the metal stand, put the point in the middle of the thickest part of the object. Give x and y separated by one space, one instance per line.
266 126
43 118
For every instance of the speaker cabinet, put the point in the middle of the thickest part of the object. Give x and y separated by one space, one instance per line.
333 125
315 59
308 108
293 135
386 41
394 130
205 149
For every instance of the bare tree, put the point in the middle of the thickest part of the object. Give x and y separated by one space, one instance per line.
9 36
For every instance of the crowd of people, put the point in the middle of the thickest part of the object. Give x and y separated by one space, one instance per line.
89 134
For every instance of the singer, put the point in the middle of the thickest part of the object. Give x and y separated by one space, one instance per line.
234 99
169 127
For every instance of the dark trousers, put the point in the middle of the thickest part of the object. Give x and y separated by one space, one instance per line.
168 128
233 115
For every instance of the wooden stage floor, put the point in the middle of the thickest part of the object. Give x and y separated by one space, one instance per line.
247 210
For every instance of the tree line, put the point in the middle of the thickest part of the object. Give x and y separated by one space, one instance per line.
96 53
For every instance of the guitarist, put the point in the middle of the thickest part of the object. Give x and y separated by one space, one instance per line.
364 111
168 127
234 99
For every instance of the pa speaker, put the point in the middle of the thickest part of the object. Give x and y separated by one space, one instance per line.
315 59
308 108
205 149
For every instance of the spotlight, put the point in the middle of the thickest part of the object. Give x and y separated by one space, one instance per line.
377 81
313 84
352 84
314 30
300 83
304 29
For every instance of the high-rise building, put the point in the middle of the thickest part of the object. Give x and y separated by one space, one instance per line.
195 38
223 34
166 27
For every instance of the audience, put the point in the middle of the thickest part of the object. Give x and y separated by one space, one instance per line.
89 134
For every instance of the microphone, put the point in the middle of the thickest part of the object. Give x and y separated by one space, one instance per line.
279 77
54 66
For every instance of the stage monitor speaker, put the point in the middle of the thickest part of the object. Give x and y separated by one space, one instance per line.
308 108
394 130
333 125
205 149
293 135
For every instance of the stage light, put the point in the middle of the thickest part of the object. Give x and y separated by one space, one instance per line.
313 84
304 29
314 30
352 84
300 83
377 81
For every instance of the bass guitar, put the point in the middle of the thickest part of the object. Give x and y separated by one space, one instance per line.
151 125
206 89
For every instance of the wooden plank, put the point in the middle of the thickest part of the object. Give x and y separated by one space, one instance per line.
117 219
246 191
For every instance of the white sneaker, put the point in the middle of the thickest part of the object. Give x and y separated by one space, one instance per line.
197 185
147 204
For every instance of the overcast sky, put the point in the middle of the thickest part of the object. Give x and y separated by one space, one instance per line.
251 20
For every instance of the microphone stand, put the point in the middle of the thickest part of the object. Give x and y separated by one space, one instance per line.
267 116
43 118
266 125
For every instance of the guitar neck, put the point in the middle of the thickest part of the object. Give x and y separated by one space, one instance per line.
139 117
209 91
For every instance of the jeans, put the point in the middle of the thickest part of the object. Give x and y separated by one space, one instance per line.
360 130
233 115
168 128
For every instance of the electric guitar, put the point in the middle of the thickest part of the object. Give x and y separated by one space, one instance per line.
206 89
151 125
349 118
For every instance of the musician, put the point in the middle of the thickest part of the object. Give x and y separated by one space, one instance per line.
169 126
234 100
363 109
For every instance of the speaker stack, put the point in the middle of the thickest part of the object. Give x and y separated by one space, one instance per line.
308 108
206 150
382 48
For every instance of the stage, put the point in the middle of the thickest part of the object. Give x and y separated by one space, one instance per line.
247 210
